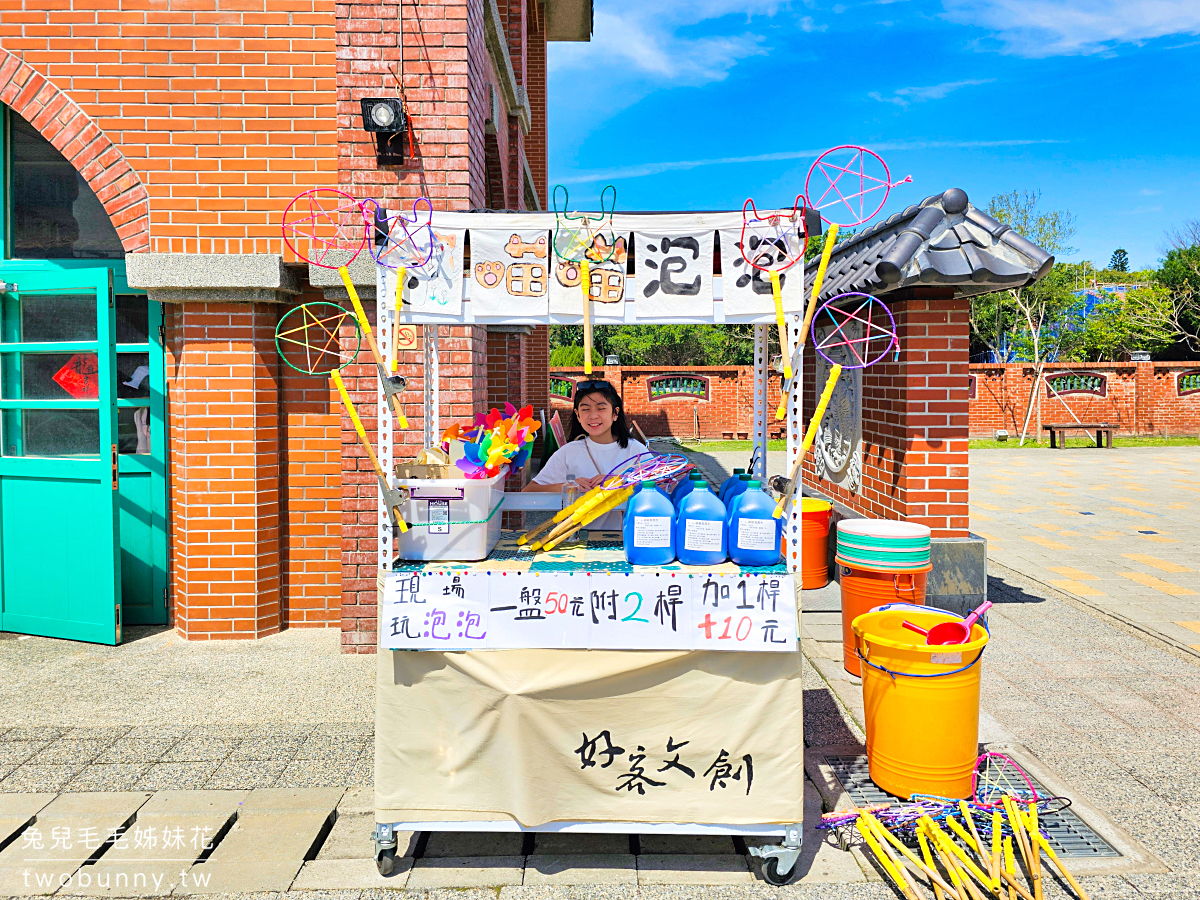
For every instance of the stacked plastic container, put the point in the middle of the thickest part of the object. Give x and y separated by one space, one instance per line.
882 545
879 561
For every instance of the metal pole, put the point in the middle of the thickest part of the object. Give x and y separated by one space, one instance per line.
431 425
384 418
762 376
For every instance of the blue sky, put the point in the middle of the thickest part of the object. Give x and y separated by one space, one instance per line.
701 104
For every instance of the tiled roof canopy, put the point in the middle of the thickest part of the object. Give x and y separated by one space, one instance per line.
944 241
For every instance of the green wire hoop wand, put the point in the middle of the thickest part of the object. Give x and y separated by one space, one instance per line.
584 239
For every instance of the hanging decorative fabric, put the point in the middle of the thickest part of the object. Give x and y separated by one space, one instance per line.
510 272
746 290
436 287
674 272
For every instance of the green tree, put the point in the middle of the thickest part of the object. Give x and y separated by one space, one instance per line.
1032 316
1139 319
663 345
573 356
1119 261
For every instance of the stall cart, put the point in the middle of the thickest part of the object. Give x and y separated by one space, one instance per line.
570 691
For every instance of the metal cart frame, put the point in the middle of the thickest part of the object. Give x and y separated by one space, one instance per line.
779 860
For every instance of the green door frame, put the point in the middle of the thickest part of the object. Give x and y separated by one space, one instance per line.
155 465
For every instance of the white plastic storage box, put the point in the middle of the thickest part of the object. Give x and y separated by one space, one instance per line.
438 512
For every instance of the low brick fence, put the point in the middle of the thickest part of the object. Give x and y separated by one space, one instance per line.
1138 398
709 402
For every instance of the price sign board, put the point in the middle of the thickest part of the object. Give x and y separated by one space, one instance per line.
588 610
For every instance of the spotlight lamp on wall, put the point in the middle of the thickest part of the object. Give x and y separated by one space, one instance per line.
384 117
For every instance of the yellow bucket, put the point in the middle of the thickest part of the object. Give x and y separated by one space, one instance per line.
922 702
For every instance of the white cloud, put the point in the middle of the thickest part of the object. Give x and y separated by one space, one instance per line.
665 41
1039 28
655 168
906 95
630 46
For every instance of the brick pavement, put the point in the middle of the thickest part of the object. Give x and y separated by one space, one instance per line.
1116 530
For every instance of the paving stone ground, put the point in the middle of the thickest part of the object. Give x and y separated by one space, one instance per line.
283 727
1118 530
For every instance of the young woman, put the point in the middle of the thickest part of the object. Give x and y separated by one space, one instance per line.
599 441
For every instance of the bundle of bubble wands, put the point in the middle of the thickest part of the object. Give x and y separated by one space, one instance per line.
614 489
966 847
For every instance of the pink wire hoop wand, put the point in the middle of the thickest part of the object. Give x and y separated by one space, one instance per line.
877 340
325 227
839 203
772 247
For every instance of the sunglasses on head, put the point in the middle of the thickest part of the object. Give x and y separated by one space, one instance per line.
582 387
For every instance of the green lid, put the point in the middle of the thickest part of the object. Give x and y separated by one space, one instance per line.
701 484
695 476
649 483
755 484
744 477
739 471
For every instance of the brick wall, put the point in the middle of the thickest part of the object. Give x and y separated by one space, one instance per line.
1139 398
727 413
914 419
225 452
222 112
196 123
310 497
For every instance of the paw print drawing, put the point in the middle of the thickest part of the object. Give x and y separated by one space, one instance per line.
568 273
765 254
489 274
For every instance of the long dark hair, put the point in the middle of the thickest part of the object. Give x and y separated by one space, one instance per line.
620 428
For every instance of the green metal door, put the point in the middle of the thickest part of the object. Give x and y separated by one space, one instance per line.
60 564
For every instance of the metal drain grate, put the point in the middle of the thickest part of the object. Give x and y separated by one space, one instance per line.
1069 835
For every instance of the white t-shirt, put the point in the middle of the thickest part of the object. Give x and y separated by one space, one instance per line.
573 459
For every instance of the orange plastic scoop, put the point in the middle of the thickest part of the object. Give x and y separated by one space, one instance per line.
950 632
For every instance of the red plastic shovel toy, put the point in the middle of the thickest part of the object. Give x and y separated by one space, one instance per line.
950 632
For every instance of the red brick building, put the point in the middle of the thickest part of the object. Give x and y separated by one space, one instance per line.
162 142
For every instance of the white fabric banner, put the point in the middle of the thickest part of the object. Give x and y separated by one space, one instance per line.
459 610
746 290
437 287
675 273
608 281
509 272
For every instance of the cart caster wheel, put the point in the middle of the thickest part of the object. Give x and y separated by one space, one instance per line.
770 871
387 862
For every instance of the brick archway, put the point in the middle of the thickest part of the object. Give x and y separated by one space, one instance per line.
73 133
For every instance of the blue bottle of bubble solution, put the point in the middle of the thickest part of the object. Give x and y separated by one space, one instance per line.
753 530
649 527
685 487
700 528
736 488
727 482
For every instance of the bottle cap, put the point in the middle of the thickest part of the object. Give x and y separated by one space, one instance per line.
649 483
738 471
701 484
695 476
755 484
744 477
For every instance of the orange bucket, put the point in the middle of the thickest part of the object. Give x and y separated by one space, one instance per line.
863 590
921 702
814 543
